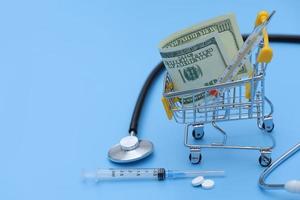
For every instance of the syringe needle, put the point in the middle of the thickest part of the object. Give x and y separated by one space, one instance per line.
193 173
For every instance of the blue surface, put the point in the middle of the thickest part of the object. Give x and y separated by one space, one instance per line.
70 73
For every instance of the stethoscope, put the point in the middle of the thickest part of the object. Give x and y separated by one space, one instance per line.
131 148
290 186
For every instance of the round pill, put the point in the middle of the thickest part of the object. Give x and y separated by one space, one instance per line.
208 184
197 181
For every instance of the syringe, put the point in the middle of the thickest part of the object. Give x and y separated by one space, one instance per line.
145 173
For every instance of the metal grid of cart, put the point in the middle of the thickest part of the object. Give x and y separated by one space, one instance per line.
235 100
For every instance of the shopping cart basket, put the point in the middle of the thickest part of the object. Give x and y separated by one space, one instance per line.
240 99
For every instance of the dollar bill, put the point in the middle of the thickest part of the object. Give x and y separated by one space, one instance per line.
227 29
196 64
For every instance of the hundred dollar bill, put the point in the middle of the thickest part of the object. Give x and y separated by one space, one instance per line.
196 64
228 31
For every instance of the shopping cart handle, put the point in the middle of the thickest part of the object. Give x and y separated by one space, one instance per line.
261 17
167 108
266 53
292 186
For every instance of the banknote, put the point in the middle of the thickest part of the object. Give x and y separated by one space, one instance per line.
229 34
196 64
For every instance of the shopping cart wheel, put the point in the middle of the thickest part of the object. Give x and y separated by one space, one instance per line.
198 131
195 157
268 124
269 128
197 135
265 160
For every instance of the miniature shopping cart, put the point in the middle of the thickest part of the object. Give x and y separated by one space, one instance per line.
240 99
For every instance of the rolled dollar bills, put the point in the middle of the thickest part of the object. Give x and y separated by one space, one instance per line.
195 64
197 56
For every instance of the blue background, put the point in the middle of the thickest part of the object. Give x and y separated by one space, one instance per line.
70 73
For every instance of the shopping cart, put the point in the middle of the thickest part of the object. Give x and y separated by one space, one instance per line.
240 99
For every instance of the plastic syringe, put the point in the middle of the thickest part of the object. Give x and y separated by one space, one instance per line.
145 173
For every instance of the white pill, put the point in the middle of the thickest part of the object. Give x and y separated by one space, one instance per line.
197 181
208 184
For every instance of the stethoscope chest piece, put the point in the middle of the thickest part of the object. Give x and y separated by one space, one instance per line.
130 149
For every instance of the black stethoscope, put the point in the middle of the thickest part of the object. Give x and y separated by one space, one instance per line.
130 148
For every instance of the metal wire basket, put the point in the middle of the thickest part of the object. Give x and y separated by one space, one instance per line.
240 99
